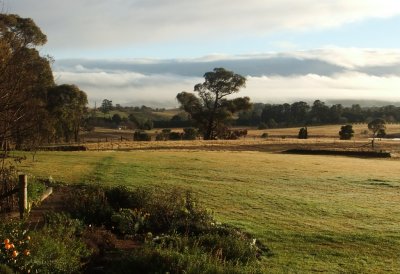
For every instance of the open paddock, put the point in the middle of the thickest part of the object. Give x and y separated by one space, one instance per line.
316 213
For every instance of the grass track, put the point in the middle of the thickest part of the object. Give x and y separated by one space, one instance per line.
316 213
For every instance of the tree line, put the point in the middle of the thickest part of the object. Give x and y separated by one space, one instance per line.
33 109
302 114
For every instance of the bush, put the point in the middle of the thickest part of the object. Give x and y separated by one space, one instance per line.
346 132
58 248
303 133
150 259
163 135
141 136
90 205
175 136
128 221
177 211
35 191
187 239
190 133
233 247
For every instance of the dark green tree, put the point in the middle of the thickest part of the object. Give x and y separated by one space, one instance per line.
376 126
116 118
303 133
319 112
190 133
211 110
24 79
67 107
298 111
106 106
346 132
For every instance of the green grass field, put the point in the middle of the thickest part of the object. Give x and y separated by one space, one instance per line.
316 213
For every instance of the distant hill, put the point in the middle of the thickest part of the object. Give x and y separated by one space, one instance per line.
362 103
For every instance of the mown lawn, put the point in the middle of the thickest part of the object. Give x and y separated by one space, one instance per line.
316 213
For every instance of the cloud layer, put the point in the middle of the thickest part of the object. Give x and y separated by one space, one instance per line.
97 24
302 75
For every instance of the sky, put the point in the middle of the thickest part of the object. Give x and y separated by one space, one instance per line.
137 52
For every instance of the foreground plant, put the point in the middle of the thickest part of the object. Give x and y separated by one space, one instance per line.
15 246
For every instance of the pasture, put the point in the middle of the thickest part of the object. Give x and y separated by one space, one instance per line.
316 213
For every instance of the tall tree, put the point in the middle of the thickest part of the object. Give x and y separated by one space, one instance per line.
106 106
299 112
378 127
24 77
67 107
212 110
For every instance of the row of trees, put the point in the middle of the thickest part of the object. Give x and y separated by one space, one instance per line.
33 109
301 113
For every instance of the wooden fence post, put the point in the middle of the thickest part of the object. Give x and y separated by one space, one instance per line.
23 194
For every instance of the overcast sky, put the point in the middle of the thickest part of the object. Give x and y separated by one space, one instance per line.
146 51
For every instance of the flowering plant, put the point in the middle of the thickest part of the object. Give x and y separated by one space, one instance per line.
15 246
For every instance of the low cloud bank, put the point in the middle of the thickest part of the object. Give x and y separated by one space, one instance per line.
279 77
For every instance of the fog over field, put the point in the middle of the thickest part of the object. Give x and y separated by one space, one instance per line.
275 77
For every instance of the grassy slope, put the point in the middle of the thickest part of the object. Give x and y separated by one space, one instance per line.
316 213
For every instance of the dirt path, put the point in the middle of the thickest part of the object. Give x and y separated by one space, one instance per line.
54 202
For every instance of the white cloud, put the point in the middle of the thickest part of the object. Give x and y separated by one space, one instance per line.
350 85
77 24
352 58
128 88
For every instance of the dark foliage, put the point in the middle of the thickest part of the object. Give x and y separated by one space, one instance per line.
346 132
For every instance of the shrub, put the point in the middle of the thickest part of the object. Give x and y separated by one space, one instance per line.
231 247
90 205
119 197
36 189
128 221
191 260
141 136
58 248
175 136
177 211
163 135
190 133
303 133
346 132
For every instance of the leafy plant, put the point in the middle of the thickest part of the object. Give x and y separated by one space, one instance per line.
90 205
35 191
129 221
58 247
